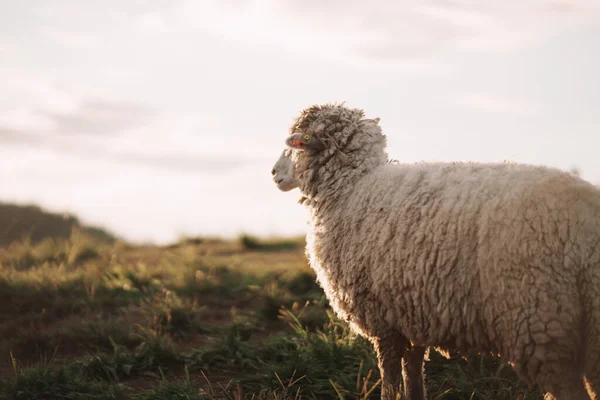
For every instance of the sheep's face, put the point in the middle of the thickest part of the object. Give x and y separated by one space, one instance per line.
326 141
283 172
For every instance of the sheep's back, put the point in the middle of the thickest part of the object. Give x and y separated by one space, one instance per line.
457 255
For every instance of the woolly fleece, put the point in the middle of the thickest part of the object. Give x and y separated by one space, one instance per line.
497 258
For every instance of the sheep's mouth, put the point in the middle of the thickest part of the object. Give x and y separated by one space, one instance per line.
285 185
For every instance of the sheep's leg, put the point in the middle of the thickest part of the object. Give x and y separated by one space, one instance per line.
592 369
592 346
570 390
561 381
592 382
413 372
390 349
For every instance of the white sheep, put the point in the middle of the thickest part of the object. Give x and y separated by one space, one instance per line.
496 258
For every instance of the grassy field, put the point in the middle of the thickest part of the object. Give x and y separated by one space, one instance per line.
201 319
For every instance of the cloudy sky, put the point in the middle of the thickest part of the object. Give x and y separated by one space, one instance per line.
163 118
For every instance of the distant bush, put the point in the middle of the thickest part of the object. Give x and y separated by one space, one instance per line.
253 243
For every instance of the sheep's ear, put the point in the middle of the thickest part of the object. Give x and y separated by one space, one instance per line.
304 141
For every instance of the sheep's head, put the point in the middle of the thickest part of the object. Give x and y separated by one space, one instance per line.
283 172
324 140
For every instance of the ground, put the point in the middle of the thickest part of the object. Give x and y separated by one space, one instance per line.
200 319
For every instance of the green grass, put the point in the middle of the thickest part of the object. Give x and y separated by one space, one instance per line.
200 319
47 381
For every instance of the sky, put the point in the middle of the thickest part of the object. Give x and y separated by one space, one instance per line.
162 119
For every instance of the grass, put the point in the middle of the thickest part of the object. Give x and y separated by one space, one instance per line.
200 319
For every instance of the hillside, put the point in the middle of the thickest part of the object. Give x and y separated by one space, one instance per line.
18 222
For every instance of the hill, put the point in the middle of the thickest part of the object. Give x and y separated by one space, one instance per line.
18 222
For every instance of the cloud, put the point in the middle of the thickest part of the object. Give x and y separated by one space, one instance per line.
498 104
28 139
190 163
80 41
65 121
11 136
398 35
45 106
380 34
99 117
183 163
395 32
177 161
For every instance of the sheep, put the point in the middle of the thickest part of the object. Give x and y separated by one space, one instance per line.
499 258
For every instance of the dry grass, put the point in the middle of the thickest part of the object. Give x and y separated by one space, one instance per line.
200 319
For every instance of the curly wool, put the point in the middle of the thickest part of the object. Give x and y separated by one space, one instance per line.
497 258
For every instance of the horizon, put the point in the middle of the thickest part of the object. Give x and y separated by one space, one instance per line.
157 120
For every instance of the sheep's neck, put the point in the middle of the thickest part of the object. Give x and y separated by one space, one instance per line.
333 181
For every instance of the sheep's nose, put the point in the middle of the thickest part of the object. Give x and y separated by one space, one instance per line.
273 172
